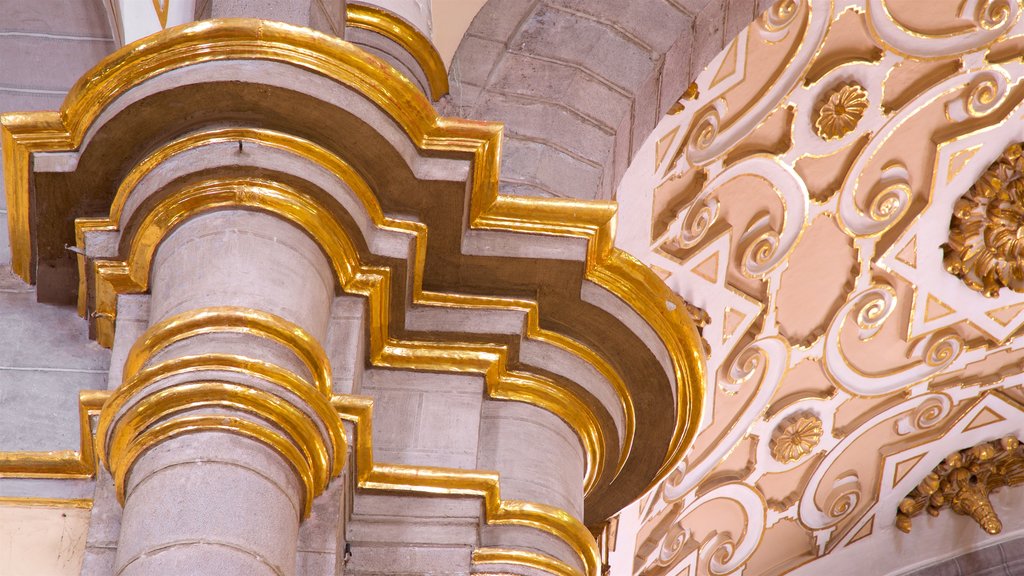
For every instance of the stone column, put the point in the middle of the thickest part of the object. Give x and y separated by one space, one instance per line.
399 32
540 460
205 490
327 17
415 12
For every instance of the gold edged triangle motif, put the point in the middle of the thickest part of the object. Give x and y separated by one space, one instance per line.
732 321
708 269
865 530
661 147
728 67
1003 316
908 254
162 7
984 418
935 309
904 467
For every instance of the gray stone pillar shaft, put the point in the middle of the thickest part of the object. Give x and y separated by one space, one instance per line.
327 16
216 502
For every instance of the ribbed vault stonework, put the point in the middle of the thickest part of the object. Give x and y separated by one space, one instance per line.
579 85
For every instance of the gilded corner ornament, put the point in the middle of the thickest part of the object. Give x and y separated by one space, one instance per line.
963 482
796 437
986 233
840 111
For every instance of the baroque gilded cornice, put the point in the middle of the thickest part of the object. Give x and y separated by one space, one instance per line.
132 276
247 39
148 414
117 277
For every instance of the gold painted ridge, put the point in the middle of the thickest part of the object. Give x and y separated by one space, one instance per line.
534 560
251 367
405 35
33 502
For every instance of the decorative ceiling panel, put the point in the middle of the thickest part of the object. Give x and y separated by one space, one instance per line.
841 192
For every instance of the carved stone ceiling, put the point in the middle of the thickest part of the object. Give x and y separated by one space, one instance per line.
801 196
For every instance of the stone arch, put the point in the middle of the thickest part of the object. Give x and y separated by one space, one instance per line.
581 84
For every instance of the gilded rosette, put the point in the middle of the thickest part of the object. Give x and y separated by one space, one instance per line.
840 112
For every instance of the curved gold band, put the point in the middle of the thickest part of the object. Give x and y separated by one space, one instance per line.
523 558
259 369
299 429
409 38
191 424
229 319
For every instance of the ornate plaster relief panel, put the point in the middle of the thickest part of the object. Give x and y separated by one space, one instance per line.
801 193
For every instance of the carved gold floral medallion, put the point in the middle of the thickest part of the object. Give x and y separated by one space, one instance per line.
840 112
986 232
795 438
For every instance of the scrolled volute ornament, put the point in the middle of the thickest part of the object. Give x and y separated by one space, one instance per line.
775 21
963 482
986 233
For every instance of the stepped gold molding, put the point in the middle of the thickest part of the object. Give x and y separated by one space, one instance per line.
231 363
488 360
215 40
459 482
69 464
120 433
405 35
181 425
313 464
316 154
370 475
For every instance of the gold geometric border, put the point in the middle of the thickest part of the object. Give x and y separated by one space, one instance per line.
213 40
402 33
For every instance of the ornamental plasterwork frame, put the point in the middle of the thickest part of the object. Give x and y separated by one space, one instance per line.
894 212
